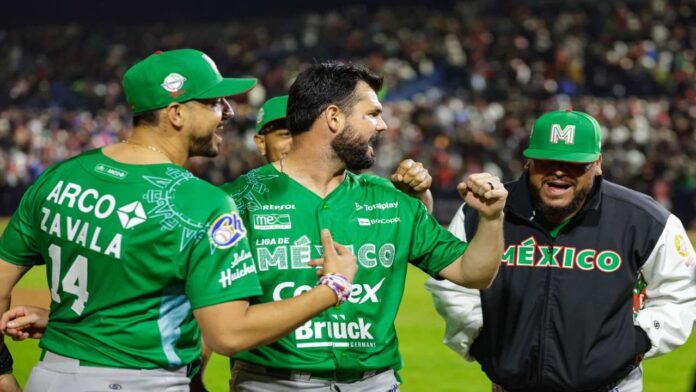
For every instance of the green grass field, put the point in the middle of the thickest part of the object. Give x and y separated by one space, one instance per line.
429 365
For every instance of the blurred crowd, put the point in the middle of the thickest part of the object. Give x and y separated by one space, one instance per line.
462 86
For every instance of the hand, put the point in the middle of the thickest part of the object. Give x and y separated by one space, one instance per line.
412 178
24 322
484 193
8 383
337 258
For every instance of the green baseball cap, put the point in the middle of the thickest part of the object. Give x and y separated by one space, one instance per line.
565 135
274 109
177 76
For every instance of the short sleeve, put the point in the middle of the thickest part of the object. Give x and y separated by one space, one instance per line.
18 243
221 267
432 247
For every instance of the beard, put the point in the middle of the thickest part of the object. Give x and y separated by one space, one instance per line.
354 152
202 146
559 214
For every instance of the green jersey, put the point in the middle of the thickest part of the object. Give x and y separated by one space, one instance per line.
130 251
385 228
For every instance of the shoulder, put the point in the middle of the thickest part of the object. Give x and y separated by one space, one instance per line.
372 180
383 187
374 183
628 202
252 180
200 199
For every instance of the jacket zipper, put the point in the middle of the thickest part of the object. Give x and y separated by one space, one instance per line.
544 315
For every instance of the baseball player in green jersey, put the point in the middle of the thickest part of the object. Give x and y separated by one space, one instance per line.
142 257
334 116
273 141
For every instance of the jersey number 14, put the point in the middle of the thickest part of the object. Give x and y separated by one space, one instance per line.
74 282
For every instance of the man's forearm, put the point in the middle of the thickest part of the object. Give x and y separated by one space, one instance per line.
482 257
478 266
427 199
259 324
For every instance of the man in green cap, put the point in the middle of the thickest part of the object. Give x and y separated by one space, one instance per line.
272 139
594 277
142 257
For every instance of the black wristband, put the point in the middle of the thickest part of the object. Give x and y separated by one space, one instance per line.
6 361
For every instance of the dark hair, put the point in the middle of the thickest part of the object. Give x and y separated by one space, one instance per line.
150 117
325 84
274 125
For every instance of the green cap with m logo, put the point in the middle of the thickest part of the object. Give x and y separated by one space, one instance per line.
272 110
177 76
567 136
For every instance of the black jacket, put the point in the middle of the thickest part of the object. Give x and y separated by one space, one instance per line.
566 323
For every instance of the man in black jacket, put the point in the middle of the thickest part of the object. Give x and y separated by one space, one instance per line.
562 314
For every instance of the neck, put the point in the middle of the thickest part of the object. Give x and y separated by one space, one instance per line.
313 166
147 145
161 142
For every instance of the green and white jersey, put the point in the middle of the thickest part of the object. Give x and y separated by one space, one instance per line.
130 251
385 228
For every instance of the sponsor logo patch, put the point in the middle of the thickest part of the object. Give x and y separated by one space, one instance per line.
277 207
226 230
110 171
272 222
131 215
378 221
377 206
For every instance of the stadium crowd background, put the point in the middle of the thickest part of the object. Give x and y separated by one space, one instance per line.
463 86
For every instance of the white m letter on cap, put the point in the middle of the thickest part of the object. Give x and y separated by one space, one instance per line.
211 63
566 134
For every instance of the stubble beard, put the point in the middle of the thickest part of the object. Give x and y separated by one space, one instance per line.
202 146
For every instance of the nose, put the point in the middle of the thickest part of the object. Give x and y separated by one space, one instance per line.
227 111
381 125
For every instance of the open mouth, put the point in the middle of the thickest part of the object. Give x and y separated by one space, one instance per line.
557 187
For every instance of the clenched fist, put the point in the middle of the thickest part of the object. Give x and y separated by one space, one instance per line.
484 193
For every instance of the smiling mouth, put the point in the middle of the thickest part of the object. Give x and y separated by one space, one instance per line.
560 185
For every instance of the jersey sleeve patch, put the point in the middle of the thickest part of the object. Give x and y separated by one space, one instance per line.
226 230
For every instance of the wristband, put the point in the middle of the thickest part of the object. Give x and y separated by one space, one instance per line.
339 284
5 360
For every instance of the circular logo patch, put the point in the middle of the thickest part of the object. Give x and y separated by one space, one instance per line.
173 82
226 230
259 118
680 244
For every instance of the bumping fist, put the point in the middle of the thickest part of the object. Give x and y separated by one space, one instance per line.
412 178
484 193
